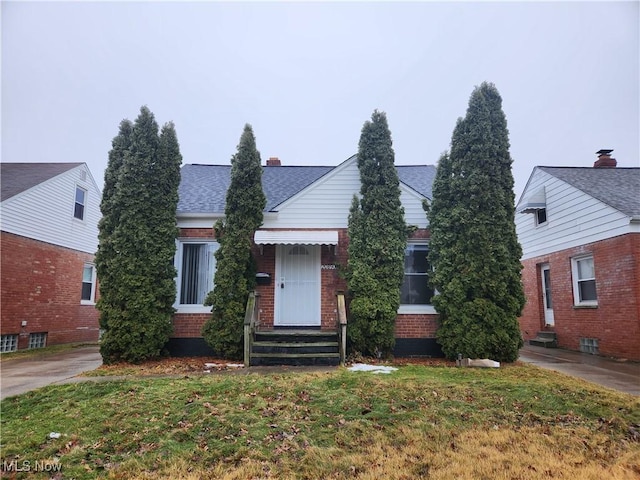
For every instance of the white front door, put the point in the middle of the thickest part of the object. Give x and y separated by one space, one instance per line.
547 300
297 295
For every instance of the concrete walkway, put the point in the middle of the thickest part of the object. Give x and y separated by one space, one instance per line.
618 375
19 375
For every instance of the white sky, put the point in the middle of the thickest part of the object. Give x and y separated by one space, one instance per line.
308 75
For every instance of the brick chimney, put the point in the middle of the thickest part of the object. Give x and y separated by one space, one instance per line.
605 160
273 162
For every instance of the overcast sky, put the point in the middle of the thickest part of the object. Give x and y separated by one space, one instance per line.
308 75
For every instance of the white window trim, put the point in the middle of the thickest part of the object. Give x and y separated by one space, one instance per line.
84 210
535 218
576 289
92 300
416 309
180 308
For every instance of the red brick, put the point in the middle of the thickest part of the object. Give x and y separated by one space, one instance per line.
616 320
41 284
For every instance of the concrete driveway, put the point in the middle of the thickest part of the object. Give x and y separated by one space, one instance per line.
619 375
20 375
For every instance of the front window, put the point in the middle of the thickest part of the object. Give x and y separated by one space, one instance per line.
415 287
195 271
81 198
584 281
88 285
541 216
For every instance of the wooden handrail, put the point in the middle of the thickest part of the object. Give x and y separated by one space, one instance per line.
342 327
250 321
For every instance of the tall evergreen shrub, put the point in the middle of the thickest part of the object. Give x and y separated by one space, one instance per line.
235 267
377 240
474 248
137 241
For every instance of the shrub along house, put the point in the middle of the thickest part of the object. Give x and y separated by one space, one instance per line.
50 214
580 233
299 250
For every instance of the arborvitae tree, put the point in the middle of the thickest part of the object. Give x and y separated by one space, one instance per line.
110 217
377 240
474 249
139 235
235 267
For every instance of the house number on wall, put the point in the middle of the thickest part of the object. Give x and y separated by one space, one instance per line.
328 267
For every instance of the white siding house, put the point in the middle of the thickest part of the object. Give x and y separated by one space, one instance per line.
580 233
49 234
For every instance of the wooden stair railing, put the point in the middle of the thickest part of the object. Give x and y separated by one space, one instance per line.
342 327
250 321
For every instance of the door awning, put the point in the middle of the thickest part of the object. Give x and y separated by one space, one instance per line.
536 201
296 237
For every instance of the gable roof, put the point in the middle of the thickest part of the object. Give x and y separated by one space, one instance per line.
617 187
16 178
203 188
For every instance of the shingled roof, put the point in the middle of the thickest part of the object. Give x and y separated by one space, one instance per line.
617 187
15 178
203 188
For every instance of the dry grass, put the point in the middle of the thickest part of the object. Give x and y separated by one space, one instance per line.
434 422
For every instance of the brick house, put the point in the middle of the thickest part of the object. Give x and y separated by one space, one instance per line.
299 249
49 233
580 233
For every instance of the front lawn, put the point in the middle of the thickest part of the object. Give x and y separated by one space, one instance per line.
516 422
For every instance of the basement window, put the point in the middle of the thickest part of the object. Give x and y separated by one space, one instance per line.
8 343
589 345
38 340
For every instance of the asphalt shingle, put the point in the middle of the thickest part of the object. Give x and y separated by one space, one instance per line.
203 188
617 187
15 178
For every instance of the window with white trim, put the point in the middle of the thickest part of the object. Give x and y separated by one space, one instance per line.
38 340
88 295
584 281
196 265
540 216
80 202
415 288
8 343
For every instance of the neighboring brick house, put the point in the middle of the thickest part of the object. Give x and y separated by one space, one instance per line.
299 249
580 233
49 234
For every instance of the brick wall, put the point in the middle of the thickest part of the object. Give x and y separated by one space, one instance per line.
189 325
615 322
407 326
41 284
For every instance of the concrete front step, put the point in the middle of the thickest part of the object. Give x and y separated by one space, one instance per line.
545 339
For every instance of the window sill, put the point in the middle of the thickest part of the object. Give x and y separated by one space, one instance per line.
87 302
192 309
417 310
585 307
